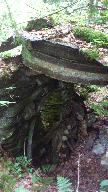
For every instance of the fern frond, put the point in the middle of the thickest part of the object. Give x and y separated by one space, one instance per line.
64 184
21 189
44 181
47 168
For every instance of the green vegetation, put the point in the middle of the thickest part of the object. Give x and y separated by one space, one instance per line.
64 184
51 109
5 103
90 53
7 182
85 90
11 53
41 183
100 108
104 186
21 189
7 178
97 38
13 170
21 165
47 168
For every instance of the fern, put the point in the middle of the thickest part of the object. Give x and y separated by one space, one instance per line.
40 184
64 184
44 181
101 108
21 189
5 103
48 168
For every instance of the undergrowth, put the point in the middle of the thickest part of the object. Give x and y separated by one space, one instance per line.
11 170
101 108
97 38
91 53
64 185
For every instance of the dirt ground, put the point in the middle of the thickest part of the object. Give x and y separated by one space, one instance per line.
90 172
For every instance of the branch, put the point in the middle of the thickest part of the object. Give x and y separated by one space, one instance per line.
83 8
55 12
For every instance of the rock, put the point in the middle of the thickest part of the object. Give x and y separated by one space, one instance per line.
69 127
106 128
66 132
29 111
38 24
90 141
101 144
64 138
104 160
99 149
91 119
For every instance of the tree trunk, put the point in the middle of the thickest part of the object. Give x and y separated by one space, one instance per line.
46 117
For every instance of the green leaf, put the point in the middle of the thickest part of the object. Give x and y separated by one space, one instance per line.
47 168
45 181
5 103
21 189
64 184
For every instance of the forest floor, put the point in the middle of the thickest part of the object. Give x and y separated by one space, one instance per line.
91 173
81 162
65 34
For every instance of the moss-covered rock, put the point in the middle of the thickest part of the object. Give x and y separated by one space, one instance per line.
38 24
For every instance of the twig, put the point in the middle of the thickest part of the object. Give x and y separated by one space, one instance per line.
82 8
78 180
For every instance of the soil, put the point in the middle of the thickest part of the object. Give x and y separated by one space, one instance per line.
90 170
91 173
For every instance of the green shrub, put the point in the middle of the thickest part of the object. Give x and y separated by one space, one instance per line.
97 38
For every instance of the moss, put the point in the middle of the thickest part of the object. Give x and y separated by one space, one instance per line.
101 108
60 72
91 53
51 109
7 71
97 38
38 24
